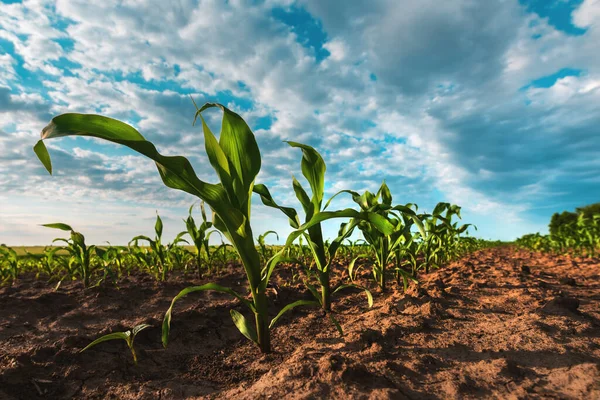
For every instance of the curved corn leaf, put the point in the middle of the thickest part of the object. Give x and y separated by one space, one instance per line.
42 152
166 327
351 265
291 306
354 286
243 326
175 171
111 336
268 201
307 205
58 225
137 329
337 324
313 169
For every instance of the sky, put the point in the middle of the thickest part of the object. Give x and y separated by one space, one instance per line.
492 105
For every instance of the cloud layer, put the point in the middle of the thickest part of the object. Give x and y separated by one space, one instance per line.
491 105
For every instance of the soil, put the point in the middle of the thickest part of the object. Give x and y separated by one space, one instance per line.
500 323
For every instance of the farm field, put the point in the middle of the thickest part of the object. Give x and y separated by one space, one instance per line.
498 323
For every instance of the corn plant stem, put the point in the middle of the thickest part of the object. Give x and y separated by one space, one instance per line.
262 321
316 238
251 261
325 290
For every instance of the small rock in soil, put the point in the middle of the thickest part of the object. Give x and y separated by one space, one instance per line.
561 305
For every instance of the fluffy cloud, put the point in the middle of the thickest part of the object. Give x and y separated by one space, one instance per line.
442 100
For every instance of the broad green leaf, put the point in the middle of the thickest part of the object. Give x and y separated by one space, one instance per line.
175 171
42 152
243 326
386 195
307 205
58 225
313 169
239 146
268 201
158 227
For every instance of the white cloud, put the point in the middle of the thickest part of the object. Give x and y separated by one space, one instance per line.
424 95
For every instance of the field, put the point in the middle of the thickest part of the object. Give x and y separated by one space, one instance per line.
414 308
499 323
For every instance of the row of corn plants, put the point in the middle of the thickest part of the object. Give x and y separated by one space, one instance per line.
395 235
580 237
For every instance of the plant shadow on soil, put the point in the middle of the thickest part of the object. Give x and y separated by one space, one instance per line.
484 326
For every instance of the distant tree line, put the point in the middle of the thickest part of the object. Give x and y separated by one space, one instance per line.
567 217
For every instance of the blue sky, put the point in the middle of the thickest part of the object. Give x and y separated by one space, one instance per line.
492 105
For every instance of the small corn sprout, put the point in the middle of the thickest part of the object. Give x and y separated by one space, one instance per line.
10 260
81 254
200 235
127 336
263 247
161 253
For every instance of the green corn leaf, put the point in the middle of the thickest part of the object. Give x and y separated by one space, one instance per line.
58 225
291 306
268 201
243 326
307 205
111 336
175 171
313 290
278 258
166 327
313 169
158 227
355 286
352 264
355 197
337 324
138 328
386 195
42 152
218 160
239 146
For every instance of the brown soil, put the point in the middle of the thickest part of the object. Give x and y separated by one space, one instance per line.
500 323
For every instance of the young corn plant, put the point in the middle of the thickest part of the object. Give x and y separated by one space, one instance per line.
236 160
9 261
161 265
80 262
127 336
200 235
265 252
313 168
382 243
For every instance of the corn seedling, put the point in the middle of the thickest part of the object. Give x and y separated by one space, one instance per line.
382 243
80 253
200 235
127 336
313 168
9 262
265 252
161 263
